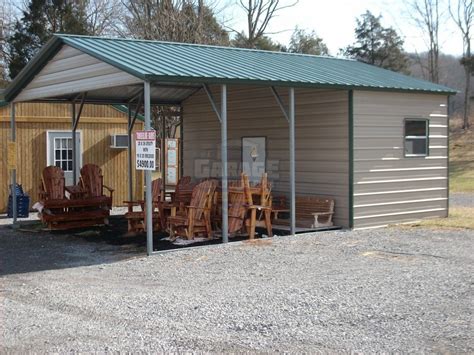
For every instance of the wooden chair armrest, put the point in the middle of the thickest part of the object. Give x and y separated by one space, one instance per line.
259 207
321 213
111 191
133 203
108 188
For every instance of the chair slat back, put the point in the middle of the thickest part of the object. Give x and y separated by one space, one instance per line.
156 189
53 182
183 191
247 192
92 180
202 197
265 189
237 205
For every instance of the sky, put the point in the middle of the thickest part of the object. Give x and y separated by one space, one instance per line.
335 20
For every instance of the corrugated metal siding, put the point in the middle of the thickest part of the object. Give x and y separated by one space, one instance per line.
97 124
73 71
321 139
389 188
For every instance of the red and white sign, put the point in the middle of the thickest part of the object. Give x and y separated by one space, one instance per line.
145 150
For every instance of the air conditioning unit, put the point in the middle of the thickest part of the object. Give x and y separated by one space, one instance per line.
119 141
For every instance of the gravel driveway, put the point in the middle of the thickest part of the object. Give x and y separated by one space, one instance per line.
379 290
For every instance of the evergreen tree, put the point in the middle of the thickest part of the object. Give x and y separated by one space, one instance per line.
377 45
307 43
39 21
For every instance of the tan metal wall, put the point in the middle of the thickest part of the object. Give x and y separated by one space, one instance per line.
389 188
71 66
321 139
97 124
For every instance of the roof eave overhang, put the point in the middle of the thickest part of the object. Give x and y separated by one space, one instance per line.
219 81
48 51
44 55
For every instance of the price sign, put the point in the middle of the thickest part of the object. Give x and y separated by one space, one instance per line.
145 150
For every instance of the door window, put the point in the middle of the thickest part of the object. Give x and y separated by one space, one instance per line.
63 153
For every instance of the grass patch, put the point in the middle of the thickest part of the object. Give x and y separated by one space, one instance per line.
461 165
459 217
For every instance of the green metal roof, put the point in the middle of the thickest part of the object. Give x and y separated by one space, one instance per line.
179 62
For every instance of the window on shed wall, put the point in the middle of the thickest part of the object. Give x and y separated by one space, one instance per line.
416 138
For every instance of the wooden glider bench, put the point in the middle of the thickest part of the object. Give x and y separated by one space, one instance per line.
311 212
68 214
59 212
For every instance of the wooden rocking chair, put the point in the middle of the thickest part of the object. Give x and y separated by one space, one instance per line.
264 207
137 219
181 197
196 218
237 207
92 183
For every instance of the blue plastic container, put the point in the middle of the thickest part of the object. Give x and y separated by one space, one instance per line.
22 203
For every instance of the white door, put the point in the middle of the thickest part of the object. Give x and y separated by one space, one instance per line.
60 153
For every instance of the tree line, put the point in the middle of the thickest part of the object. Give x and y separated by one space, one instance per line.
197 21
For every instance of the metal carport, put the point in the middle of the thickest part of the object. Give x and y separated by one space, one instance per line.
80 69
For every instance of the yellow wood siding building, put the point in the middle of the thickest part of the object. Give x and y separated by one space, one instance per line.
97 124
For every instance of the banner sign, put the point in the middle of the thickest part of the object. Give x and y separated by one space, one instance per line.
145 150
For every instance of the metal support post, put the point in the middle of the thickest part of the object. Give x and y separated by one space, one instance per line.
13 172
129 152
149 197
292 160
74 148
225 205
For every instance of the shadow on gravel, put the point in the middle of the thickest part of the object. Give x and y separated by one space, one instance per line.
31 248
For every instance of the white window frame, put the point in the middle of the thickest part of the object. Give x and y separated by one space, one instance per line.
426 137
48 142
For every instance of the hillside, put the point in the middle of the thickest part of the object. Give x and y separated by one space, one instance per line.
462 161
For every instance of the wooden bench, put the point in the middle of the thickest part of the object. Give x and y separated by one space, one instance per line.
61 213
311 212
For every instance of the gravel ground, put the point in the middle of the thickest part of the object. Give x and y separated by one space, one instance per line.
461 199
397 290
33 216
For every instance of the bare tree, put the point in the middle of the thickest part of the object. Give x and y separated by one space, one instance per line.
463 15
190 21
6 21
426 15
103 16
259 14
